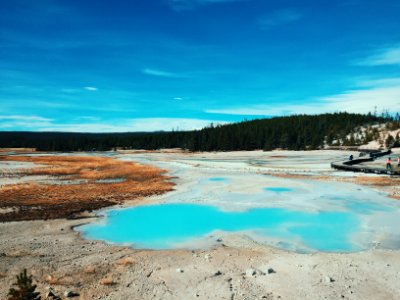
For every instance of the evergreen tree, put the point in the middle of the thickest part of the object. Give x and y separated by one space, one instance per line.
25 289
297 132
396 142
389 141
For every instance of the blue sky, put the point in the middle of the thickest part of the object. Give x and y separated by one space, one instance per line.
180 64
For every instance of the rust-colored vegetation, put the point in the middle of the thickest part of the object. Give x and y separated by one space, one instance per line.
378 181
75 184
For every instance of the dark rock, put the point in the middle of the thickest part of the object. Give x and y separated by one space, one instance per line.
70 294
329 279
251 272
271 271
51 295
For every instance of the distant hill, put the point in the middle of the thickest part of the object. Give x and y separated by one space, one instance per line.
297 132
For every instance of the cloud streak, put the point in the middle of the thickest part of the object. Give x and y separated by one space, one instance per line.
25 118
384 57
159 73
123 125
21 122
136 125
91 88
382 94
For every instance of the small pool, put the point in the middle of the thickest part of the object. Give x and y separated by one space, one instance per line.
217 179
167 226
110 180
277 189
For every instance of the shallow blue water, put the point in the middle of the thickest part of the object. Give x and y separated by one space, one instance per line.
217 179
278 189
167 225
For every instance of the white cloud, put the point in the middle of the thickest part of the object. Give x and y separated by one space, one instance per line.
88 127
93 124
91 88
159 73
25 118
178 98
152 124
131 125
279 17
27 122
387 56
384 95
382 82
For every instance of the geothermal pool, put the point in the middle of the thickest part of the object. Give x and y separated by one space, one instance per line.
299 216
225 198
166 226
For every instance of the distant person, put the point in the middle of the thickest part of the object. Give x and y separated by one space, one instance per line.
351 157
398 162
389 164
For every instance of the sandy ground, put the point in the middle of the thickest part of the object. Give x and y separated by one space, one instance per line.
234 268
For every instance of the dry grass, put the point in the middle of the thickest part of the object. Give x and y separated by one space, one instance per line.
108 280
89 270
63 280
292 176
127 261
378 181
51 280
43 201
18 150
86 167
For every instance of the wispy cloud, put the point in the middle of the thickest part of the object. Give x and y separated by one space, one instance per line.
17 122
160 73
279 17
94 124
25 118
387 56
382 94
138 125
381 82
91 88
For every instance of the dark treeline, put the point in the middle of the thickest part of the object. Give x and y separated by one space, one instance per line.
292 132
